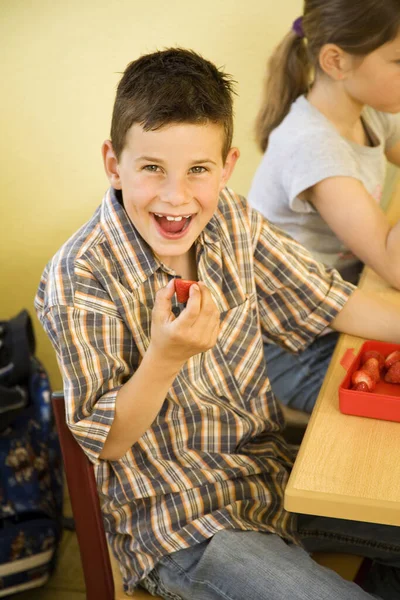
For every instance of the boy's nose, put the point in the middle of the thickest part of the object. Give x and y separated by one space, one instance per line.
175 192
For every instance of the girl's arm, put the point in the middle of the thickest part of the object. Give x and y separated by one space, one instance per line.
369 316
357 219
393 155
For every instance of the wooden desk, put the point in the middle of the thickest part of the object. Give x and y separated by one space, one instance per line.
349 467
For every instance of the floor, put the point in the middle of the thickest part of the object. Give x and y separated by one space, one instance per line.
67 582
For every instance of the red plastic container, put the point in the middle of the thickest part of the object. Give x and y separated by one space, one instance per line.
383 402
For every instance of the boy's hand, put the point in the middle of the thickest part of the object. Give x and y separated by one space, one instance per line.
195 330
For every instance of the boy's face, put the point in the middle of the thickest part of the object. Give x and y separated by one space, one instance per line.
170 181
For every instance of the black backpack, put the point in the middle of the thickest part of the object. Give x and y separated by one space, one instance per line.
31 489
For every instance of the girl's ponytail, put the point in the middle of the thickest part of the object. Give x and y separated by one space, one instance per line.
288 77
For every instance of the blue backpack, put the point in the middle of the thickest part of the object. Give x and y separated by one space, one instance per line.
31 488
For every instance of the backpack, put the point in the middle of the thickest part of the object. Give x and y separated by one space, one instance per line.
31 483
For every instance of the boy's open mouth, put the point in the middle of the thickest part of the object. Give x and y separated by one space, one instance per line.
172 225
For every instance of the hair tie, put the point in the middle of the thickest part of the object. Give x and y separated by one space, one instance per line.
297 27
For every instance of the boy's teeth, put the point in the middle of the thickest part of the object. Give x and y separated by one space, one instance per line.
173 218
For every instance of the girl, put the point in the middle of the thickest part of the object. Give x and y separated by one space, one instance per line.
327 125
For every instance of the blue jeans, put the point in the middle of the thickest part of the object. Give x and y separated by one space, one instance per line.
297 378
249 565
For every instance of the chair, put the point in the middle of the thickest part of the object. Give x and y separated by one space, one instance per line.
100 568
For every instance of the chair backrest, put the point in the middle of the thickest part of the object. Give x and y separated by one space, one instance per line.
86 510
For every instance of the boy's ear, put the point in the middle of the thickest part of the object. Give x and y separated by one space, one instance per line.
334 61
111 164
229 165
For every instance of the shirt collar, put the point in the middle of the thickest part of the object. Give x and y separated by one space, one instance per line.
130 250
210 235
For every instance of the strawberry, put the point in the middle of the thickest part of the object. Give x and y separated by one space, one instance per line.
363 377
373 354
393 374
361 387
182 287
392 358
372 367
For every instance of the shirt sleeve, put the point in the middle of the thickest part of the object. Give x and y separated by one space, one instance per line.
312 158
96 355
298 297
391 125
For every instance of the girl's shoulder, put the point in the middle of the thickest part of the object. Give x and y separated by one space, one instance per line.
303 125
305 132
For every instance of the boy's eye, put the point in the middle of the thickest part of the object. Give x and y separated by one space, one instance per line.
151 168
198 169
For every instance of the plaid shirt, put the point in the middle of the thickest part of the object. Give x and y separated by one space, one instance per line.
213 458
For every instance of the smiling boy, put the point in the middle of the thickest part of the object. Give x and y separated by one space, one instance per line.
170 180
172 404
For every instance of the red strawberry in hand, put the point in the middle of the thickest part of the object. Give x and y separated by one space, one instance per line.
393 374
392 358
371 366
359 377
373 354
182 287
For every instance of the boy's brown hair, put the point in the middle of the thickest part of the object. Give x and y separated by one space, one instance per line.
356 26
172 86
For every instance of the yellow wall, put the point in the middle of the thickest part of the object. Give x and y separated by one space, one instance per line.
61 64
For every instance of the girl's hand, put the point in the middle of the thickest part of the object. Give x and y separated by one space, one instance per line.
195 330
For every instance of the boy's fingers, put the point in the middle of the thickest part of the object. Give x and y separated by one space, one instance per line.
163 298
207 297
200 306
208 305
193 304
209 317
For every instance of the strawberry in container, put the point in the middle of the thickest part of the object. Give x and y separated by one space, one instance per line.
371 386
